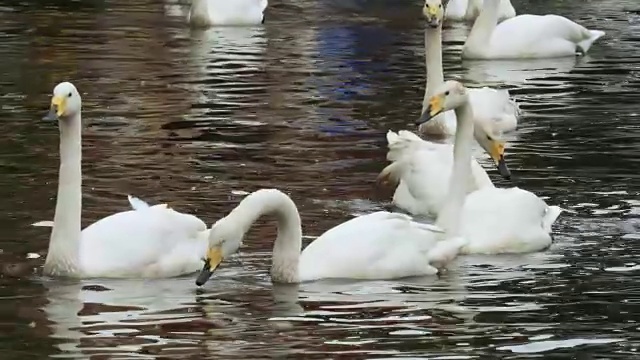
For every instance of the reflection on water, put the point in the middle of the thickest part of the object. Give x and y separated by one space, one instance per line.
302 103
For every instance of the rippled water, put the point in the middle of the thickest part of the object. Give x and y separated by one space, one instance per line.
302 104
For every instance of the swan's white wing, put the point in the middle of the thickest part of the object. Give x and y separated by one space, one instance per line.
422 170
540 36
495 109
513 220
155 241
236 12
137 203
381 245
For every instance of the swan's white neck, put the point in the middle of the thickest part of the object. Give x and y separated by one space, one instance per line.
199 13
449 216
435 78
480 34
286 249
63 255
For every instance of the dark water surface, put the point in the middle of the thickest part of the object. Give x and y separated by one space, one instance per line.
302 104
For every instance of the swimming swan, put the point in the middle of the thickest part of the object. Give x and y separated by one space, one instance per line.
492 220
432 163
381 245
465 10
148 241
207 13
525 36
494 112
495 109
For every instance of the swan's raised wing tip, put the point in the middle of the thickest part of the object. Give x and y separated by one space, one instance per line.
136 203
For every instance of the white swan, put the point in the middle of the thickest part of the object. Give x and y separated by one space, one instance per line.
207 13
525 36
381 245
465 10
494 110
432 163
492 220
148 241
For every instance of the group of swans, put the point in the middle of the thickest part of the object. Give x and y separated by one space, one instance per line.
493 220
472 217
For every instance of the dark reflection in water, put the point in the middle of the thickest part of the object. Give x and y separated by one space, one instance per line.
302 104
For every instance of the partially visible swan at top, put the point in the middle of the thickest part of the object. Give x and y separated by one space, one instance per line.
525 36
492 220
495 109
381 245
148 241
207 13
465 10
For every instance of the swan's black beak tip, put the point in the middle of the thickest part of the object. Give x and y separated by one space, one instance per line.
503 169
204 275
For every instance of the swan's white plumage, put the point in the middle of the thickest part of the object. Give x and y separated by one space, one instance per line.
154 241
465 10
422 171
206 13
512 220
526 37
381 245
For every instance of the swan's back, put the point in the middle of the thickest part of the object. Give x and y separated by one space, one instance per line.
502 220
154 241
381 245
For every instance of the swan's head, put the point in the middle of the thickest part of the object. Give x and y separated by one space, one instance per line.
225 239
494 147
433 11
65 103
449 96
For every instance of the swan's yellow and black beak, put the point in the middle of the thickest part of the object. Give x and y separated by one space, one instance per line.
211 263
432 14
497 154
434 108
57 109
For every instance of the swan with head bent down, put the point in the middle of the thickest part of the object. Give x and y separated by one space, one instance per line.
148 241
381 245
207 13
494 113
465 10
525 36
492 220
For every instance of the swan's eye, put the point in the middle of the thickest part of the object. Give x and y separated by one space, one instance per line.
489 138
446 93
70 94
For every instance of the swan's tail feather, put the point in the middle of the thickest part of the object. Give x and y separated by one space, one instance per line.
550 217
585 45
400 142
136 203
44 223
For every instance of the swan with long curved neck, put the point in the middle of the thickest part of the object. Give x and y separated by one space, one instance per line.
381 245
207 13
526 36
148 241
492 220
494 112
465 10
